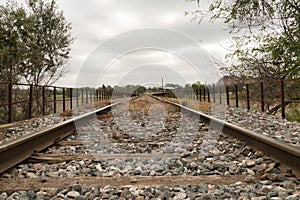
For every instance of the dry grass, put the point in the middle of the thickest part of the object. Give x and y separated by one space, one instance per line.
100 104
146 103
66 113
193 104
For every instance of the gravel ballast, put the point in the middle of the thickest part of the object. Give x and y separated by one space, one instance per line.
174 144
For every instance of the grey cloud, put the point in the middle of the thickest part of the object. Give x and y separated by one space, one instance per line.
95 22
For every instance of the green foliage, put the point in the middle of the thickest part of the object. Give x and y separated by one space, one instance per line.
267 45
293 115
35 42
50 43
14 25
141 90
129 89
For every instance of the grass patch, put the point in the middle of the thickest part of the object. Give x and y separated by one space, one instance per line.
293 115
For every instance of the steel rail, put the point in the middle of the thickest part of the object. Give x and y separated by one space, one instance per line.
20 149
286 154
16 151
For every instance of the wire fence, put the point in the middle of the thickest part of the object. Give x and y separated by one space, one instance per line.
270 97
24 101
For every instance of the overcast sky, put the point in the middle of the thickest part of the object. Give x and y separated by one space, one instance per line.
121 42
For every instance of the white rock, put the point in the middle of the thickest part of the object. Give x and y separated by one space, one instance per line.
73 194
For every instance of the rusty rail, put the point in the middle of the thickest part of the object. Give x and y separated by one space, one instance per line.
18 150
288 155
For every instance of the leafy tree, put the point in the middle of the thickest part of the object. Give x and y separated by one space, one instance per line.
140 89
35 42
198 85
14 25
49 43
267 39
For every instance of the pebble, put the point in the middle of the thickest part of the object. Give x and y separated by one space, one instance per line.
73 194
36 124
3 196
195 155
269 125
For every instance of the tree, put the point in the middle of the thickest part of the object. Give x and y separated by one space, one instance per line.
49 43
267 36
140 89
14 25
35 42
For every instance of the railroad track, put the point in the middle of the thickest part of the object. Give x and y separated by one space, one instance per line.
160 150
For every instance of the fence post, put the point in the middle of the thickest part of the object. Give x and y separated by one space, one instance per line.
64 100
227 95
10 103
71 98
282 99
262 101
208 95
248 97
91 95
77 97
236 95
30 101
200 94
220 95
97 95
86 96
82 98
44 100
214 93
54 99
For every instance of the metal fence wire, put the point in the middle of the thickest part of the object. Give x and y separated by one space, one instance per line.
24 101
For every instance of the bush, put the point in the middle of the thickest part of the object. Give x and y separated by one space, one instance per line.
293 115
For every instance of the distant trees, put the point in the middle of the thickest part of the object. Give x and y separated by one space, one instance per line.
266 44
34 42
129 89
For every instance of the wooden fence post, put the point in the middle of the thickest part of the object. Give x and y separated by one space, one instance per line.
282 99
86 96
220 95
97 95
82 98
10 103
64 99
262 101
227 95
54 100
200 94
208 95
44 101
30 101
214 93
248 97
71 98
77 97
236 95
91 95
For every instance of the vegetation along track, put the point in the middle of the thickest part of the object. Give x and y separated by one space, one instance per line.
147 149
